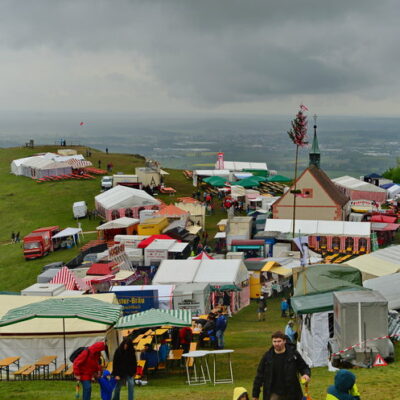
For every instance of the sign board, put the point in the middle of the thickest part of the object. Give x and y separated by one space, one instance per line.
134 301
379 361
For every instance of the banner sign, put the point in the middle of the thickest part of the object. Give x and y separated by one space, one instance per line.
134 301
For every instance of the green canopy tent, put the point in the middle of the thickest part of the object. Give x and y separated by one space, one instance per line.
225 288
260 178
216 181
84 308
154 317
279 178
247 182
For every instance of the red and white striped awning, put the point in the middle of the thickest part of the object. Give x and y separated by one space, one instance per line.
71 282
79 163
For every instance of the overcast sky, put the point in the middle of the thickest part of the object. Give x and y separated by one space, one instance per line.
242 56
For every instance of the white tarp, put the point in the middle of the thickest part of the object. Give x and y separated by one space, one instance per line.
124 197
313 344
319 227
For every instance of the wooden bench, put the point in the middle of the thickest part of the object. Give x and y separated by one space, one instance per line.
5 364
69 373
26 371
57 373
44 363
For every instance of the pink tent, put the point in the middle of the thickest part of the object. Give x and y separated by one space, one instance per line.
71 282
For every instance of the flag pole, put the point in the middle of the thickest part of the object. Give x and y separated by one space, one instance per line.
294 191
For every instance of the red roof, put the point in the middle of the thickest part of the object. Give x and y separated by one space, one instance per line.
103 269
145 242
383 218
171 210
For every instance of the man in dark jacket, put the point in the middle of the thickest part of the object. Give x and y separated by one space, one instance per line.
124 368
279 370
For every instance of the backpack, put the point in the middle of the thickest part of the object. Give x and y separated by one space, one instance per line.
76 353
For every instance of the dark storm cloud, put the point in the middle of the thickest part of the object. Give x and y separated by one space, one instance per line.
220 52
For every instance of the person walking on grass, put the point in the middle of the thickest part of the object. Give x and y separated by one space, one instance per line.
261 308
290 332
124 368
220 326
279 370
87 367
284 308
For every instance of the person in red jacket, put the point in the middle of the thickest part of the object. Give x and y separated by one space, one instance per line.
87 367
185 338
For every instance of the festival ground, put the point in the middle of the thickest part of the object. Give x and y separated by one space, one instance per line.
249 338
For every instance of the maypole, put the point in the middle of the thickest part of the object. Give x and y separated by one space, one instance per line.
298 135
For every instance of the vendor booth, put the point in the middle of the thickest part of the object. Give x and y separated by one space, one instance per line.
119 226
33 327
216 272
68 237
194 297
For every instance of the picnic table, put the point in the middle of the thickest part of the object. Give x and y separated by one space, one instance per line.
44 363
5 364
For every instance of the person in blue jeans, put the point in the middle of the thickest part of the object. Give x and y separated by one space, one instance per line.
220 326
124 368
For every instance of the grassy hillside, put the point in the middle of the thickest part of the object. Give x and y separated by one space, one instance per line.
26 205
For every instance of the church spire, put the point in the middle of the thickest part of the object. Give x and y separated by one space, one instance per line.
315 155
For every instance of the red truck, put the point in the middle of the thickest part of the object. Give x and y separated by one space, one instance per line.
39 242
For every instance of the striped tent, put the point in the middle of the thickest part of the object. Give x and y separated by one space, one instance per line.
69 280
74 163
84 308
153 317
80 307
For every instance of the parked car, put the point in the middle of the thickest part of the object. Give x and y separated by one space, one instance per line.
106 182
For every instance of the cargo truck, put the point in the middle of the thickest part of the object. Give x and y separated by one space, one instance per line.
39 242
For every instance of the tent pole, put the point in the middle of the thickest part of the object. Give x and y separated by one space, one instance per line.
65 348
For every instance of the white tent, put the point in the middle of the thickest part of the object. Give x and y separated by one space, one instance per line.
393 191
74 232
319 227
118 223
222 272
16 165
165 293
176 271
349 182
124 197
241 165
37 337
314 337
389 287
